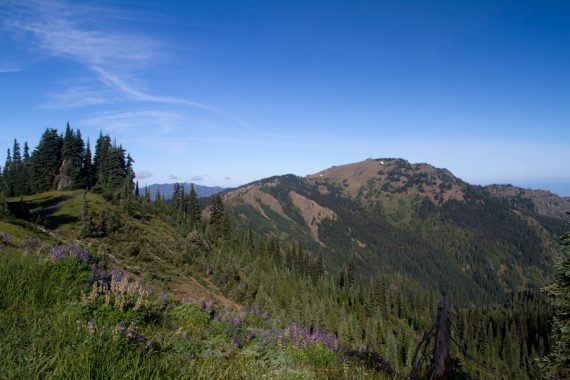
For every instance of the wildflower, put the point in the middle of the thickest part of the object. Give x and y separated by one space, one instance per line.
250 336
57 253
119 330
120 326
90 327
236 342
74 250
4 238
133 335
84 256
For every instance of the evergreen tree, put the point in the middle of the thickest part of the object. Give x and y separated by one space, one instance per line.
26 175
129 185
219 225
217 211
6 176
558 362
129 198
351 272
16 154
73 154
111 167
45 161
178 201
16 178
88 169
275 251
194 216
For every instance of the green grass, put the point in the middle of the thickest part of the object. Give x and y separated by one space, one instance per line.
45 332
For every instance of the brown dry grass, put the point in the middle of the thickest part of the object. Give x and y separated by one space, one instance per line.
312 212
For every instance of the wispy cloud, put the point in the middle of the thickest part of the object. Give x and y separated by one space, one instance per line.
157 122
61 29
92 37
75 97
7 70
173 177
197 178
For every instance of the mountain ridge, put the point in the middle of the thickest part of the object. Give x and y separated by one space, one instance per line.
166 189
389 215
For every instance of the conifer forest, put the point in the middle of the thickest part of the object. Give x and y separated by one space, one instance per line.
100 279
284 190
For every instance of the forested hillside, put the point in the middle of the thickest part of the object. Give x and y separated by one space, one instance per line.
157 288
388 216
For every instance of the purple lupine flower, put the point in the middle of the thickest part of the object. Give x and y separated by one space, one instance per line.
236 322
73 249
236 342
84 256
136 337
116 275
250 336
93 274
121 327
4 238
57 253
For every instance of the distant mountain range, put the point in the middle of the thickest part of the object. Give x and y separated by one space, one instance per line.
392 216
166 189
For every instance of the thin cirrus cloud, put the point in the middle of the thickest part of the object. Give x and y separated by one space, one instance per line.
83 34
159 122
73 97
173 177
8 70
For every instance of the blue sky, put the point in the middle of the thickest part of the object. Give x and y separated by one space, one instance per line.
225 92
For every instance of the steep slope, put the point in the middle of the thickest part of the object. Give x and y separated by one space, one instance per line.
393 216
371 332
541 202
144 246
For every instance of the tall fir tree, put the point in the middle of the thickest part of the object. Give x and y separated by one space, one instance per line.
16 172
178 201
88 169
73 152
217 211
111 167
193 208
46 161
558 362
